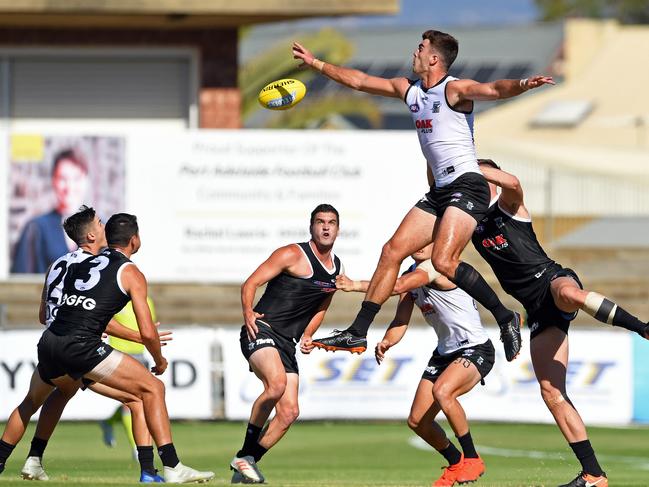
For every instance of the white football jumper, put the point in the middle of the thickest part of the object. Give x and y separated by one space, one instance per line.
445 134
453 315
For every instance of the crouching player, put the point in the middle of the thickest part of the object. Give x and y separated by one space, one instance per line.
463 358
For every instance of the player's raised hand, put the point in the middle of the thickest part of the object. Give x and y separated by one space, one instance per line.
160 367
302 53
379 351
249 318
536 81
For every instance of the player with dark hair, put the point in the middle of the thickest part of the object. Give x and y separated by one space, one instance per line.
463 357
71 348
301 281
442 111
551 295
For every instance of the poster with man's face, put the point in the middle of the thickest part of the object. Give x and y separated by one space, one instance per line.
50 177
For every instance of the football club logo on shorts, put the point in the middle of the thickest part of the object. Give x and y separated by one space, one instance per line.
414 108
469 205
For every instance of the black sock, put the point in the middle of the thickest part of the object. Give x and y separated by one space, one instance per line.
5 451
258 452
364 318
466 442
586 456
168 455
625 320
145 457
38 448
250 441
470 281
451 454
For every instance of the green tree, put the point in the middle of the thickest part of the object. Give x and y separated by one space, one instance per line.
626 11
276 63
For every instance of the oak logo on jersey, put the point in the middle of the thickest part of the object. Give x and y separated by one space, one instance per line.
424 125
499 242
83 301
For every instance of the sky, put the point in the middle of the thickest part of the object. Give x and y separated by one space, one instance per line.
447 13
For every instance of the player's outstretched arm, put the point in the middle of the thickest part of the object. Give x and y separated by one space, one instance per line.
306 342
344 283
134 283
352 78
117 330
279 261
421 276
468 89
397 328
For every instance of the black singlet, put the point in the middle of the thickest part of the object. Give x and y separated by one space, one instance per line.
510 247
289 303
92 294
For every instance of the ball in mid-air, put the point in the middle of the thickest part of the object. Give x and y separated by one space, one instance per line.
282 94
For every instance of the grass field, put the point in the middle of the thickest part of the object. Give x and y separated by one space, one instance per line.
341 454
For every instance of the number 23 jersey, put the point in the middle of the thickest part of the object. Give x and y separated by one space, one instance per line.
92 293
53 291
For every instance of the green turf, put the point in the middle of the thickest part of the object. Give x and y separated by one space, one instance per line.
341 454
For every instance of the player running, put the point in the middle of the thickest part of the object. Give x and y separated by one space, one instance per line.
442 110
301 281
463 357
552 296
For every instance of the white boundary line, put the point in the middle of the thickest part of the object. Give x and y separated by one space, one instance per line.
640 463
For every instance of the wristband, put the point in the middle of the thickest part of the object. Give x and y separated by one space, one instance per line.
317 64
524 84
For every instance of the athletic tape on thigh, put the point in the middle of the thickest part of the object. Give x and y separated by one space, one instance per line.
106 367
600 308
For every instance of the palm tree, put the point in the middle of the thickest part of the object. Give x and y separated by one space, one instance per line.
276 62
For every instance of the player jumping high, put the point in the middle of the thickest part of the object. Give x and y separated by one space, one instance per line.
442 111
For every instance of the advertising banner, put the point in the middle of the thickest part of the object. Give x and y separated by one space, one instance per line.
49 178
345 386
640 380
188 378
212 205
